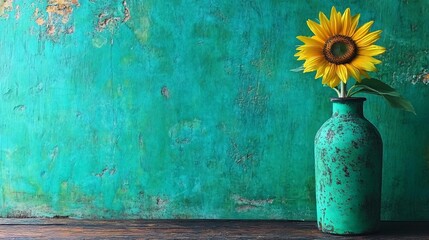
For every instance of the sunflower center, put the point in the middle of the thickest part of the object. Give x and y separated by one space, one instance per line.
340 49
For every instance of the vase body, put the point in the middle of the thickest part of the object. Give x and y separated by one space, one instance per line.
348 168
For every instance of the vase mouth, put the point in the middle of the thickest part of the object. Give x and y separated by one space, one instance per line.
348 99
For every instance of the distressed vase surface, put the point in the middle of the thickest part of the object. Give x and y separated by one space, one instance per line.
348 168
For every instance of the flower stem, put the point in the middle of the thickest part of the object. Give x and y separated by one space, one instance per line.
343 90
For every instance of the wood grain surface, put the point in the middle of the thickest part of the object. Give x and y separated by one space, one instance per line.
190 229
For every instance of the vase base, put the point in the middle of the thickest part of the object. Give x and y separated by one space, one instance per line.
331 230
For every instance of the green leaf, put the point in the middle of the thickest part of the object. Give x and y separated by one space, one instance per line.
400 102
377 87
298 69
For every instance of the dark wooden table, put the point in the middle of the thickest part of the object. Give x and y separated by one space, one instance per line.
59 228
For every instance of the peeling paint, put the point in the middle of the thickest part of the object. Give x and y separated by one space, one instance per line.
127 14
245 204
111 171
57 21
426 79
110 20
422 77
40 21
5 7
17 12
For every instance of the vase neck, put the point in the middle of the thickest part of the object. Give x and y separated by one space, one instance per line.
347 106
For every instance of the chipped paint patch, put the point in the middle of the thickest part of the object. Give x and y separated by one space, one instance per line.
426 79
245 204
422 77
59 13
56 18
110 171
127 14
109 20
5 7
17 12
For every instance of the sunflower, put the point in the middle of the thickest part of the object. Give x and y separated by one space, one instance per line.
339 50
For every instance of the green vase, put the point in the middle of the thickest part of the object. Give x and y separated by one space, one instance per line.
348 164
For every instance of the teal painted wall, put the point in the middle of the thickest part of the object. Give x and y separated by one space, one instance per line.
189 109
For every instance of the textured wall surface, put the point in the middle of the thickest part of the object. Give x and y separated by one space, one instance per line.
189 109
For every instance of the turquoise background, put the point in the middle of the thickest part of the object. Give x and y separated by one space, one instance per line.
191 109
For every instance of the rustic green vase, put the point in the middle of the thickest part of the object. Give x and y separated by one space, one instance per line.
348 162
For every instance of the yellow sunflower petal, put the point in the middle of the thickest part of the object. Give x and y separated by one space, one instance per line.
317 30
313 63
354 72
334 82
371 51
329 74
362 31
307 55
307 48
353 26
347 21
342 73
305 52
365 63
368 39
335 22
310 41
324 22
321 70
326 72
303 56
